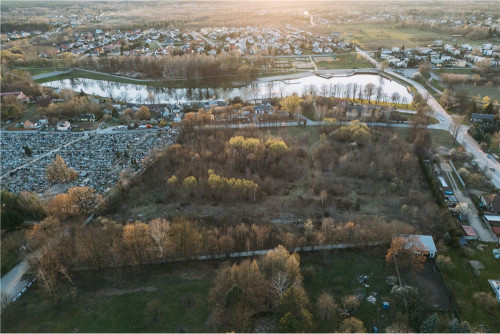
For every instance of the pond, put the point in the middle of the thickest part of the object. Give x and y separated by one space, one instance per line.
334 87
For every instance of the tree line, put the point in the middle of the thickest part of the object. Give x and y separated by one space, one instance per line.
55 250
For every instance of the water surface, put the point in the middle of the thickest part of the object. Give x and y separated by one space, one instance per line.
336 86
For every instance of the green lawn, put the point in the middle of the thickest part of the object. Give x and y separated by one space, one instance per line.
98 76
338 276
443 138
344 61
10 254
453 70
462 282
116 300
112 302
493 92
372 36
36 70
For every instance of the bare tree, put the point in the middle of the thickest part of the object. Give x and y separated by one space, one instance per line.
354 90
379 92
348 89
456 126
270 88
254 91
324 90
369 89
159 229
395 97
281 88
280 282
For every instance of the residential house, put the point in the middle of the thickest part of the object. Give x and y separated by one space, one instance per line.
63 126
491 202
42 122
482 118
21 97
28 125
87 118
263 109
426 241
493 220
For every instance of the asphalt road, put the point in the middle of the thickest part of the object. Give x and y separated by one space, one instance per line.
11 283
483 233
491 166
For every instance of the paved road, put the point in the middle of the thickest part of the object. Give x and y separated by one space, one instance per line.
51 74
314 64
204 38
57 73
308 73
11 283
483 233
491 167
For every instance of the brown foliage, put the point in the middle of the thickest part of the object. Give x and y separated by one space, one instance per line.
407 252
58 171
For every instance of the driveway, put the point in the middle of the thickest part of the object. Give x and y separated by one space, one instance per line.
483 233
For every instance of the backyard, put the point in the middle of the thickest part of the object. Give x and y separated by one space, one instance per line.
122 300
465 285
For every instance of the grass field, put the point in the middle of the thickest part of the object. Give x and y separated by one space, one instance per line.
10 243
338 276
463 284
36 70
439 137
116 301
372 36
453 70
99 76
343 61
493 92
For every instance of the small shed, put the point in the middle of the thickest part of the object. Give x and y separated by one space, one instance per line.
470 234
493 220
427 242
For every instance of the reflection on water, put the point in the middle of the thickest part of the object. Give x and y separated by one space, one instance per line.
383 89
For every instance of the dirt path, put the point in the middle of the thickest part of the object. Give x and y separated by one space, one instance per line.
312 62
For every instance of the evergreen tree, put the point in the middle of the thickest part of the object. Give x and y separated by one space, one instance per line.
489 108
27 151
455 326
429 325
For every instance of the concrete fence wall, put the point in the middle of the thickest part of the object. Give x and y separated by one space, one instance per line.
456 173
296 249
